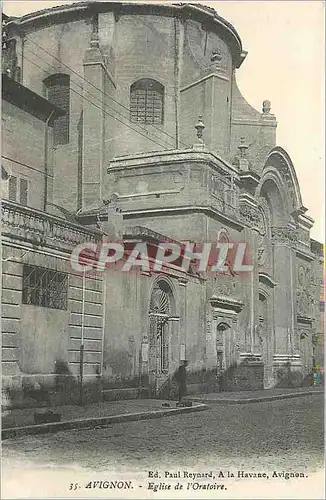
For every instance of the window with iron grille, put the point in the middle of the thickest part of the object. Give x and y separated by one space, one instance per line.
147 101
57 89
45 287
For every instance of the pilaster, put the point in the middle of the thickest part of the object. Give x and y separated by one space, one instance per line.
93 124
286 357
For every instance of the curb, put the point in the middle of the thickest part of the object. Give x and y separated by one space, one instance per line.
90 423
261 399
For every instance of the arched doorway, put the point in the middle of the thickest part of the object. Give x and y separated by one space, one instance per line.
161 310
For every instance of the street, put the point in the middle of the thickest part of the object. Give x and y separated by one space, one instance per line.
286 434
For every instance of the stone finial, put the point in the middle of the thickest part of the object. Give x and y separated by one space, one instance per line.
200 129
242 160
243 147
199 132
266 107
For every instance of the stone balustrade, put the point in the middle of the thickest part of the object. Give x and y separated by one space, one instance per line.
19 222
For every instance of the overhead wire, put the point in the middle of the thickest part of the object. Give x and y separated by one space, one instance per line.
106 105
98 89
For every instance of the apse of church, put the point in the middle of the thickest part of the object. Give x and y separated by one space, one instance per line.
148 139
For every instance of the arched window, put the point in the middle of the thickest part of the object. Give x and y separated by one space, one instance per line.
57 90
147 101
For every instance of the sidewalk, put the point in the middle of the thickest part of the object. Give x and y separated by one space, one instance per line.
255 396
21 422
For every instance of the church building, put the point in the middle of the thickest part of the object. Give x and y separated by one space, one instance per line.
125 119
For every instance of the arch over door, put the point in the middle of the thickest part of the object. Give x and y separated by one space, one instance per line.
161 308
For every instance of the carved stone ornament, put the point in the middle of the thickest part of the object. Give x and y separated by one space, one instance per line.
267 107
284 234
303 302
226 285
263 237
217 186
249 215
306 291
216 56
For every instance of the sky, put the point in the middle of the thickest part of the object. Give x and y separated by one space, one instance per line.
286 65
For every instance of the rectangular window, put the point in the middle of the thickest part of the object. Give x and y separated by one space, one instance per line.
12 188
23 194
18 190
57 91
45 287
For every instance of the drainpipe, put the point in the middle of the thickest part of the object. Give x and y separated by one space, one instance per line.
46 141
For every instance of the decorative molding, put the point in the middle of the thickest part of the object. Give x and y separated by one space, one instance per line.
267 280
306 291
249 215
248 121
211 75
250 358
284 235
213 212
306 320
148 193
224 303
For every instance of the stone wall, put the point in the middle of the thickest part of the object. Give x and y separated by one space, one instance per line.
24 151
195 70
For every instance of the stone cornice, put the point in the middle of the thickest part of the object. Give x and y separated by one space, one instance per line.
143 160
131 214
222 302
146 233
248 121
80 10
266 280
305 254
148 194
200 80
303 220
306 320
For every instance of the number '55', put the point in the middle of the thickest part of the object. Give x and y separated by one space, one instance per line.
73 486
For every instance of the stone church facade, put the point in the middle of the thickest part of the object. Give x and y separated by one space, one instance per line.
128 117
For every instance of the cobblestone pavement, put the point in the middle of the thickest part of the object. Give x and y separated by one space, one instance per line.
287 435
